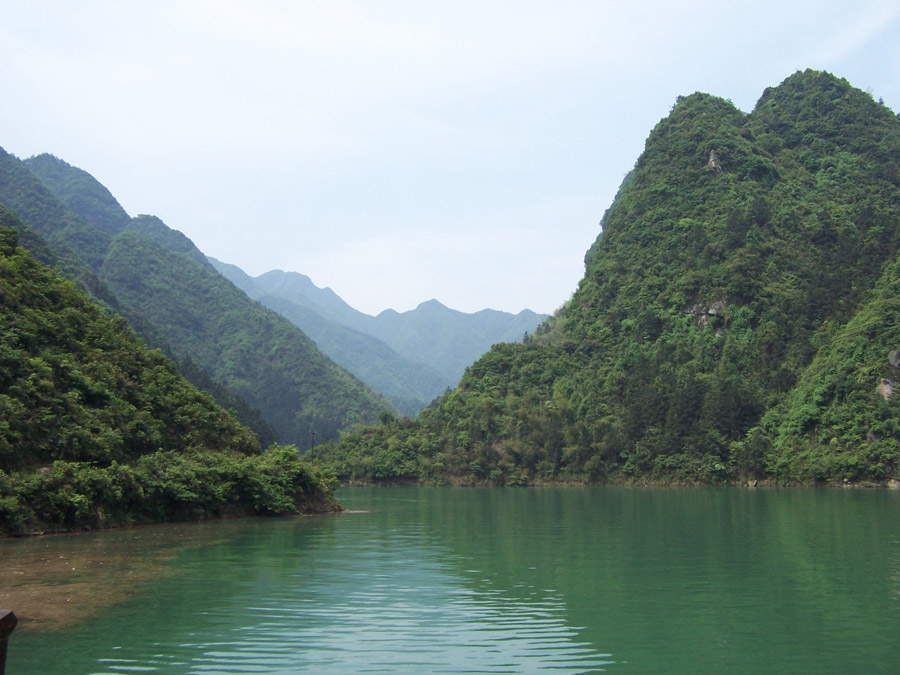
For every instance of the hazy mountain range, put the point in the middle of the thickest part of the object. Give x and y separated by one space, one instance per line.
253 360
411 357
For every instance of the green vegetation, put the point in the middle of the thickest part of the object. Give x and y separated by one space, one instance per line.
249 358
97 429
255 353
81 192
736 319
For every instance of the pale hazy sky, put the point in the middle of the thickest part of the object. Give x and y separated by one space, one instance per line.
399 151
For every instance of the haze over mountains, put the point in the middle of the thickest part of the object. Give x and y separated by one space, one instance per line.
98 430
411 357
253 360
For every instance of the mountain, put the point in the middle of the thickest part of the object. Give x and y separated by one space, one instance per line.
300 290
97 430
256 353
737 319
411 357
447 339
81 192
444 339
79 246
409 386
164 286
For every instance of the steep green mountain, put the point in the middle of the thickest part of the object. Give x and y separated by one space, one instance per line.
218 336
256 353
409 386
83 193
415 355
156 230
73 245
96 429
56 236
36 205
736 319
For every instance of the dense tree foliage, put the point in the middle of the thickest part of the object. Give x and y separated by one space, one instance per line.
162 487
95 428
156 230
257 354
736 319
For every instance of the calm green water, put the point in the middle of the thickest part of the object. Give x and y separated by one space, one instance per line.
506 580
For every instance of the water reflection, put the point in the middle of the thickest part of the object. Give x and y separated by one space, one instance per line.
357 593
412 616
647 581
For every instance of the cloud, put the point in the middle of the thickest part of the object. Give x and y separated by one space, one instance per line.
468 264
860 25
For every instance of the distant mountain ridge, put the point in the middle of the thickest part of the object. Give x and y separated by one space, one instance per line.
411 357
450 339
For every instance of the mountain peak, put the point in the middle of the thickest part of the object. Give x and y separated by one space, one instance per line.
81 192
433 305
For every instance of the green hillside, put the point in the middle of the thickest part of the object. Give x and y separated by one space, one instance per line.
409 386
734 322
64 230
411 357
254 361
256 353
98 430
841 420
81 192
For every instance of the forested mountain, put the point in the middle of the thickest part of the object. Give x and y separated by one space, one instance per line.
96 429
445 339
737 319
81 192
256 353
411 356
164 286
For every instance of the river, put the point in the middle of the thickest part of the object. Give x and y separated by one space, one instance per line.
627 580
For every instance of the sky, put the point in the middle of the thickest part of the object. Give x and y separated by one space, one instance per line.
398 151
